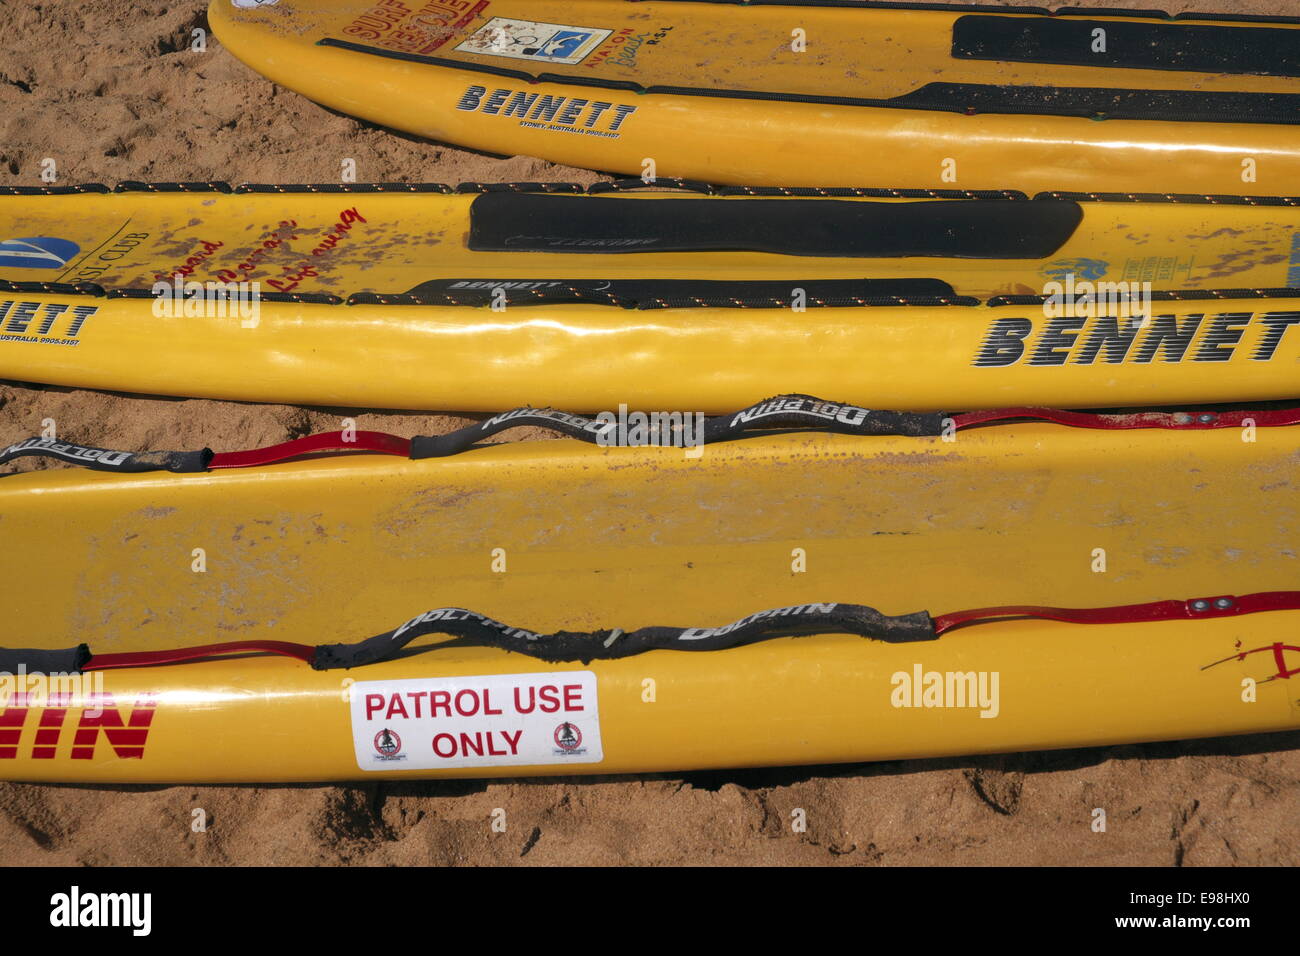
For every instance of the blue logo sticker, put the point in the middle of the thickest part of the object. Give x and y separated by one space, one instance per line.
37 252
561 45
1080 268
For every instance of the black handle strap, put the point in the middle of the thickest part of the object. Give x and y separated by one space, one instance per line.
675 429
69 660
612 644
105 459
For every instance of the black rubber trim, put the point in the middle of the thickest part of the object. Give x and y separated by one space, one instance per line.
474 629
1258 51
53 288
968 98
519 188
870 192
14 660
631 185
578 293
132 186
1214 199
342 188
624 185
966 228
650 293
1168 295
53 190
303 298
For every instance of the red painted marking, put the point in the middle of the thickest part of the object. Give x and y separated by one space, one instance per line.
12 719
126 739
1278 651
51 725
1280 660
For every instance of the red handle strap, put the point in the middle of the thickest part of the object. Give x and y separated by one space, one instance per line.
326 441
1224 605
178 655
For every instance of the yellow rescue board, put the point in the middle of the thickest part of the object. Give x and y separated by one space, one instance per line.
560 535
349 239
806 94
711 360
391 257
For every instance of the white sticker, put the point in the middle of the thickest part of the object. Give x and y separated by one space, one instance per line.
530 40
252 4
497 720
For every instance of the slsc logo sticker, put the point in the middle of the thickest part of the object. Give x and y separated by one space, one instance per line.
568 738
388 745
37 252
530 40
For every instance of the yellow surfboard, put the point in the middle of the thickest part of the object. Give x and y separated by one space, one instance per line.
398 296
563 536
808 94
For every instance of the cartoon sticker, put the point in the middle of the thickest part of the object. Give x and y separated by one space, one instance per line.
531 40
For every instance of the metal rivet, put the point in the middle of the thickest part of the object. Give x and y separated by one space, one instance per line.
1223 603
1200 604
1206 417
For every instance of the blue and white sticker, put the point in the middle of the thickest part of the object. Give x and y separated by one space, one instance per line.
531 40
37 252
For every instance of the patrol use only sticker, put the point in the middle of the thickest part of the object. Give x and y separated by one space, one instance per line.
498 720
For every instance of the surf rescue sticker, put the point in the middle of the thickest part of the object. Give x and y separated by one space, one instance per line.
496 720
532 40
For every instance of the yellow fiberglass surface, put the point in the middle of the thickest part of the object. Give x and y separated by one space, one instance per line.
806 94
345 240
390 300
558 535
712 360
